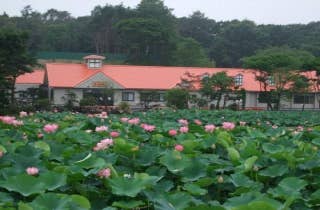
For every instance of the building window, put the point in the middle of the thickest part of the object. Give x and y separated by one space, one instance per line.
161 97
238 80
205 76
303 99
270 81
264 97
94 63
127 96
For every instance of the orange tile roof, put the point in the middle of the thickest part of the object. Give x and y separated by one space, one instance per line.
35 77
141 77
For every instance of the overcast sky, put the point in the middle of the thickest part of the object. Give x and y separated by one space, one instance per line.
260 11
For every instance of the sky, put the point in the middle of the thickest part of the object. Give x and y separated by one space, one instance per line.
260 11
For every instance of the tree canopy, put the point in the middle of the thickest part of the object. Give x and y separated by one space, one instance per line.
14 61
277 67
223 42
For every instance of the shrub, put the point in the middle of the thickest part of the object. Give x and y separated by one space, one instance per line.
88 101
177 98
124 107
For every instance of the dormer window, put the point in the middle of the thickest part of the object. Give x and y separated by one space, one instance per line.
238 80
94 61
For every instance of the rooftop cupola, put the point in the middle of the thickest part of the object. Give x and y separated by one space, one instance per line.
94 61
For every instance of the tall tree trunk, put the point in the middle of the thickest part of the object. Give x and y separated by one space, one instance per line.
304 102
218 101
225 98
12 90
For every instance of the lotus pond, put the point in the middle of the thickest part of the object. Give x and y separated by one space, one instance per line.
163 160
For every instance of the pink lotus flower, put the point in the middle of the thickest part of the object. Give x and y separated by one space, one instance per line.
124 119
7 119
50 128
198 122
23 114
274 126
228 125
104 173
40 135
184 129
172 132
209 128
102 115
242 123
103 144
17 122
114 134
1 154
101 128
134 121
148 128
300 128
33 171
183 122
179 148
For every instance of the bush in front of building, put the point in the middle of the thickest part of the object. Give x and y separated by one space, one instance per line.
88 101
177 98
124 107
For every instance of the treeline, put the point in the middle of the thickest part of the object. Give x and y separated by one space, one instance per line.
151 34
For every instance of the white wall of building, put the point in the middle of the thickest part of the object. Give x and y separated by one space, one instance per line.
251 99
286 103
24 87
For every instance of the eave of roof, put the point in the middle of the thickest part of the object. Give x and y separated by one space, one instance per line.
35 77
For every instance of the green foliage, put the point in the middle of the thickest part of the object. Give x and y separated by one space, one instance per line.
250 167
224 42
177 98
190 53
215 86
279 65
88 101
124 107
148 41
14 60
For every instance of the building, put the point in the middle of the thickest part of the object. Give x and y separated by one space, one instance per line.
28 81
127 82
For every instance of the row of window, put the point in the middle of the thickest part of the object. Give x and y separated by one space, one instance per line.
238 80
297 99
130 96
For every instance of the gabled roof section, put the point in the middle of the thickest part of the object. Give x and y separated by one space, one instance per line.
66 74
35 77
99 80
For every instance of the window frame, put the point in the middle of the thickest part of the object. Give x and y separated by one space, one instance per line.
271 81
307 98
94 63
126 96
238 80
